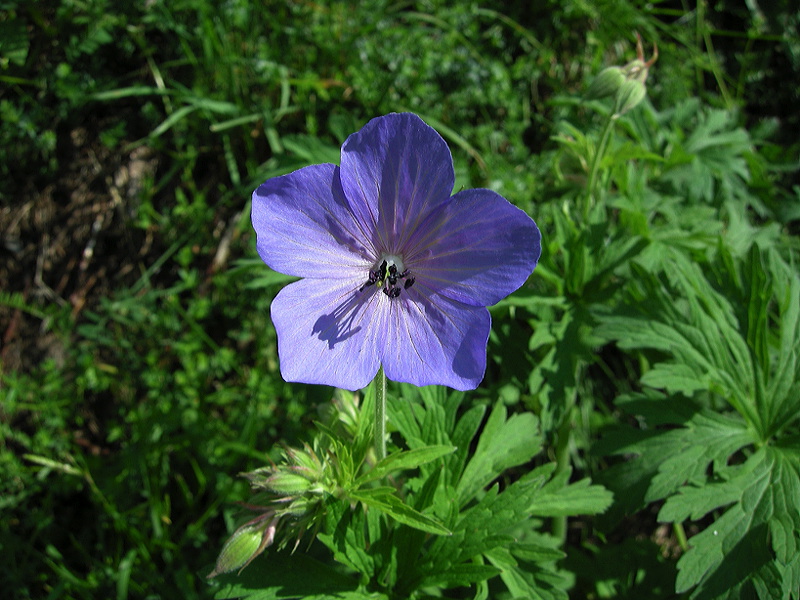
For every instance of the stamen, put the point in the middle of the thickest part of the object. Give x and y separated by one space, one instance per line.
388 275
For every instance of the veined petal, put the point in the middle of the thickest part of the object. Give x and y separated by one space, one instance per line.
328 333
476 249
395 171
305 226
441 342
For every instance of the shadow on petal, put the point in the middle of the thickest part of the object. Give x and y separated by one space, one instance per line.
339 325
466 364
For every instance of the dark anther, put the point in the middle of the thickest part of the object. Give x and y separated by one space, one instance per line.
373 278
387 277
392 292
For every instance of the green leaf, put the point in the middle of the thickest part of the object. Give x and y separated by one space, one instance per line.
462 436
409 459
345 536
560 499
503 444
679 443
713 347
491 521
283 575
461 575
755 540
694 502
708 437
384 500
532 580
675 377
13 40
783 386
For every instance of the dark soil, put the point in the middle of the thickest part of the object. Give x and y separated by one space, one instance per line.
70 242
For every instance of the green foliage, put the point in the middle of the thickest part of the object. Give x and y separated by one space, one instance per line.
721 440
486 532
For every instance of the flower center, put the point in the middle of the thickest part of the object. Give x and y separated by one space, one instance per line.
388 274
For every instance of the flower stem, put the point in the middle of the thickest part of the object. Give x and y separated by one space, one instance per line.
380 415
680 533
562 464
596 160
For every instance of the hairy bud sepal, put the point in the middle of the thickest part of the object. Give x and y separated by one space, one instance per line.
247 542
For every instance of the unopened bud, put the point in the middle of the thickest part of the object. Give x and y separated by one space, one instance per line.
284 482
629 95
606 83
244 545
626 84
306 459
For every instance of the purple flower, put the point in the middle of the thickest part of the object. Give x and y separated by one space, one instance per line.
395 271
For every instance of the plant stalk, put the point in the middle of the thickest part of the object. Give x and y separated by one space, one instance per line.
380 415
562 464
596 160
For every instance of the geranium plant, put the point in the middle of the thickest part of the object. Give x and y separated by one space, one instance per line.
396 276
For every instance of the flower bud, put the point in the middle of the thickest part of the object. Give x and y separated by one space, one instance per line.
626 84
306 459
606 83
637 70
284 482
244 545
629 95
298 507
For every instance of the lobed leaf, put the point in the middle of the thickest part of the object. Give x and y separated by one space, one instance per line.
558 498
283 575
399 461
461 575
384 500
755 541
502 444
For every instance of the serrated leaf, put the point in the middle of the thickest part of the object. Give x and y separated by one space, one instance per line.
735 549
464 431
783 386
722 344
406 417
708 437
503 444
384 500
461 575
668 456
409 459
487 524
559 499
706 551
538 552
531 581
694 502
281 576
346 535
790 578
675 377
784 537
